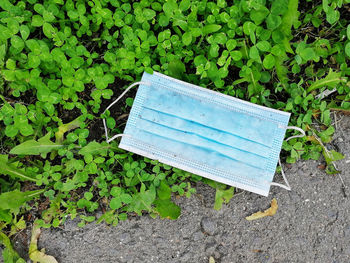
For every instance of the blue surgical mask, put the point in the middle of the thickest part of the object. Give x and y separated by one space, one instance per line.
205 132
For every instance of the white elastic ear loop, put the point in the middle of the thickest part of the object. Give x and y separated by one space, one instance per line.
287 186
114 102
295 136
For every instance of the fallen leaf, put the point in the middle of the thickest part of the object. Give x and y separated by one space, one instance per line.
268 212
34 254
288 165
211 260
321 167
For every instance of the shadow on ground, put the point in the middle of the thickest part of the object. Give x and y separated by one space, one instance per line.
311 225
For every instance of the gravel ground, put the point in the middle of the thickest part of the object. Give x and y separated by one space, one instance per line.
311 225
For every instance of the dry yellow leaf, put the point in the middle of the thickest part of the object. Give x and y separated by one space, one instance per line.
34 254
268 212
211 260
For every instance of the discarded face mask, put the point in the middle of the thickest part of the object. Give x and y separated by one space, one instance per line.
205 132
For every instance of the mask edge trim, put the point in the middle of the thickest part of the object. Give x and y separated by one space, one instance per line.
194 170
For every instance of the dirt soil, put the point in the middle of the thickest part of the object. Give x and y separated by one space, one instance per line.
312 224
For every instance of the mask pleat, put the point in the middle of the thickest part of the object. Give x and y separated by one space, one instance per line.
205 155
199 141
208 133
211 115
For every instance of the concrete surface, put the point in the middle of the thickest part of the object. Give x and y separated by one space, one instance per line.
312 224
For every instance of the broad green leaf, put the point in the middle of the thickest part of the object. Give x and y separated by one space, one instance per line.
214 50
223 196
142 200
37 20
273 21
287 46
62 129
231 44
290 18
281 70
249 28
110 57
115 203
9 253
330 169
176 69
170 7
32 147
167 209
149 13
94 148
184 5
264 46
348 32
269 61
48 16
332 15
26 129
5 216
110 122
336 156
34 46
331 80
2 51
24 30
163 20
307 53
279 7
15 199
220 38
33 60
49 30
11 170
187 38
11 131
259 15
236 55
6 5
5 33
13 25
208 29
199 60
17 42
347 49
330 157
116 191
49 108
254 53
164 191
278 36
73 14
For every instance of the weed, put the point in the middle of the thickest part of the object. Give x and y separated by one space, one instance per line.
61 61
